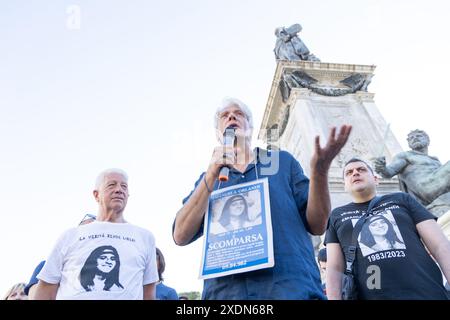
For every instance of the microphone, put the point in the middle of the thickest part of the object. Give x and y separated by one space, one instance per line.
228 140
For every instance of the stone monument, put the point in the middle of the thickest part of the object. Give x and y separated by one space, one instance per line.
308 97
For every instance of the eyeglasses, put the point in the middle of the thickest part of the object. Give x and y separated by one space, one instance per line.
87 217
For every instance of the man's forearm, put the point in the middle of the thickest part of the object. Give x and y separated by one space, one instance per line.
334 284
150 291
319 205
45 291
335 269
190 217
442 256
437 243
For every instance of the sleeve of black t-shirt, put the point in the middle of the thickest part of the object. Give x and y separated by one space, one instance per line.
331 234
416 210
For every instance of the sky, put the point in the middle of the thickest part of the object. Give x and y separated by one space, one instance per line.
87 85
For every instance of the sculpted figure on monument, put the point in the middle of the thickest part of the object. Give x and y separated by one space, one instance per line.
421 175
289 46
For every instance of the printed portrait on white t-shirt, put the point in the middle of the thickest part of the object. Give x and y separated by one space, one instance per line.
101 270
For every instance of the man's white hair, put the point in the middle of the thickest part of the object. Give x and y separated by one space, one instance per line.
101 177
233 102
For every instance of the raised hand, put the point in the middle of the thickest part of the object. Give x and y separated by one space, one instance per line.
322 158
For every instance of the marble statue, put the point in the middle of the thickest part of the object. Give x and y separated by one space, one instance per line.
289 46
421 175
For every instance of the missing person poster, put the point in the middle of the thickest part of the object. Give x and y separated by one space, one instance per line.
238 230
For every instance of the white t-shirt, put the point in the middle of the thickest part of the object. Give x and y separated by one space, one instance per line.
102 260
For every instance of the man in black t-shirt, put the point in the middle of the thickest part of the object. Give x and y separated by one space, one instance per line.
391 260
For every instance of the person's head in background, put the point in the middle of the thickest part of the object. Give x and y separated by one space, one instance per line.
322 260
163 292
184 298
16 292
88 218
160 263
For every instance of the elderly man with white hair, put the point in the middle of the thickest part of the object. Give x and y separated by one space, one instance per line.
297 205
106 259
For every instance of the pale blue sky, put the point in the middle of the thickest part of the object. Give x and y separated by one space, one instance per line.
137 85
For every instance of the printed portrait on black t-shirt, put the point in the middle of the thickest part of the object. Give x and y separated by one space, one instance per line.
380 233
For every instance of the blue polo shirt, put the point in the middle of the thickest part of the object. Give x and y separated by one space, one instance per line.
164 292
34 280
295 274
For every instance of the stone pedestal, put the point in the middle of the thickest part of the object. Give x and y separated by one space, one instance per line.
307 98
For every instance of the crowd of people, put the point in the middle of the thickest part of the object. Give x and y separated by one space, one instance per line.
105 257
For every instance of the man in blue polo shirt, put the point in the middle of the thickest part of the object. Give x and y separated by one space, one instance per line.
297 207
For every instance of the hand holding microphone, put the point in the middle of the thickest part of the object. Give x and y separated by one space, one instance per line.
228 141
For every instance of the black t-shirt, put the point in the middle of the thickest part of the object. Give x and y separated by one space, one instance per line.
391 260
